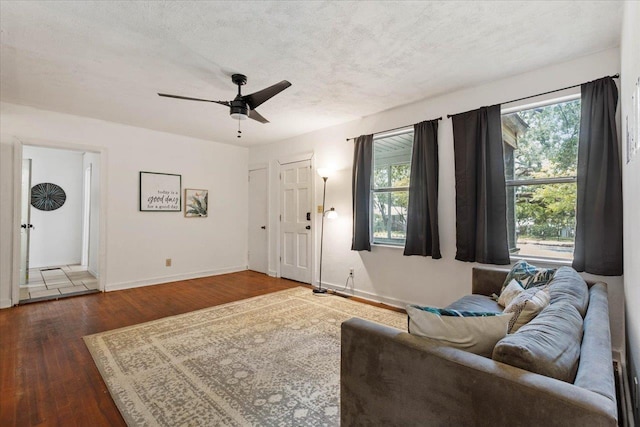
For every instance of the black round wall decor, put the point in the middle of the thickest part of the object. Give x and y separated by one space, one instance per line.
47 196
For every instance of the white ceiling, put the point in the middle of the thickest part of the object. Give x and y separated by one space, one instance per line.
346 60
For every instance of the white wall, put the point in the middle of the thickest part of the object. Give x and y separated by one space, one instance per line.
56 238
630 70
135 244
384 274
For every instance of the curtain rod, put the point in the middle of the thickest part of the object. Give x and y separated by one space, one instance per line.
398 128
615 76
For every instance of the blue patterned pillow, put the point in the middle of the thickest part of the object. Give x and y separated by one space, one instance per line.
459 313
529 276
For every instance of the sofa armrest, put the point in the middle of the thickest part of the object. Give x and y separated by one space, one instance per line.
389 377
487 280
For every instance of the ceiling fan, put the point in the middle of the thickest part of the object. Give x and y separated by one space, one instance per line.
243 106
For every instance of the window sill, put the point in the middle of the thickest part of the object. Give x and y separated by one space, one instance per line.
559 262
386 245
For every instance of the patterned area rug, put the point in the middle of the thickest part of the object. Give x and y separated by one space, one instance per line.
272 360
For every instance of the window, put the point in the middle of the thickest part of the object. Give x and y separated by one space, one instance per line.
390 187
541 154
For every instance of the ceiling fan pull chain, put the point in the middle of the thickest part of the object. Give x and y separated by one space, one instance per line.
239 131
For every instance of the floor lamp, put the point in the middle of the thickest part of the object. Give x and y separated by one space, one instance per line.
329 213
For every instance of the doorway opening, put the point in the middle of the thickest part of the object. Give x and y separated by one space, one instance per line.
59 223
258 218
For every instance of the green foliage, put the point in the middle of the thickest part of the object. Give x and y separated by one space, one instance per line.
546 211
549 148
390 208
198 204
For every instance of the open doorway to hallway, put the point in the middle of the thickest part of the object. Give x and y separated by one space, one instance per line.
59 224
57 282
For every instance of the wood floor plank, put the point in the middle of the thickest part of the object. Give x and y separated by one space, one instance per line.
47 376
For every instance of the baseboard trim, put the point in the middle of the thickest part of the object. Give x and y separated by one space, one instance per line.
626 405
5 303
167 279
365 295
272 273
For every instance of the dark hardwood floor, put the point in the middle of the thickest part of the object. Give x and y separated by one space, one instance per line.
47 376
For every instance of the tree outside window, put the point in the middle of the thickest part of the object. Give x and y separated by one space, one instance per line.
390 187
541 151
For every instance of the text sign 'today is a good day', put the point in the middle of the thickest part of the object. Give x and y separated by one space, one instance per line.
159 192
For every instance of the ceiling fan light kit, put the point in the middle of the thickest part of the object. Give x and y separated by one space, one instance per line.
243 106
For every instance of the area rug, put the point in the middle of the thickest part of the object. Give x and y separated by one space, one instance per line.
272 360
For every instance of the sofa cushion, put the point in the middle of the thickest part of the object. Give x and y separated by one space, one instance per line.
512 290
476 332
568 286
548 345
526 306
479 303
529 275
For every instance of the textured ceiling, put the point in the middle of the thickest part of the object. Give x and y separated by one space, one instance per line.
345 60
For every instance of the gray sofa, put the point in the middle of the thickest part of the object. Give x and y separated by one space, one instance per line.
391 378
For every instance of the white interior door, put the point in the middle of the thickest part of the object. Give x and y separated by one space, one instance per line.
295 221
258 205
25 221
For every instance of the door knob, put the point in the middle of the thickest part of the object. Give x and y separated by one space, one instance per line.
264 227
308 227
23 225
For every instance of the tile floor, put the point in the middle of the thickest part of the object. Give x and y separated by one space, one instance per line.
57 282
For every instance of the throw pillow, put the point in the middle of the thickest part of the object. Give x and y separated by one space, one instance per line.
512 290
476 332
526 306
529 275
567 285
548 345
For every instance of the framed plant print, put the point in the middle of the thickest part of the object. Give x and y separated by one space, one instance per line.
196 203
160 192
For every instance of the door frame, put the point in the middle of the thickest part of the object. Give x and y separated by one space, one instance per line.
18 145
266 166
86 213
282 161
24 274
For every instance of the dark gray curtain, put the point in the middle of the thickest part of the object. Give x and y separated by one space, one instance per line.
361 191
598 245
481 214
422 216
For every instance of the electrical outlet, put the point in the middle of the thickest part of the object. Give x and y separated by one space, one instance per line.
351 272
320 209
167 262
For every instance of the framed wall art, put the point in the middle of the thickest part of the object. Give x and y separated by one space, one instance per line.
47 196
196 203
160 192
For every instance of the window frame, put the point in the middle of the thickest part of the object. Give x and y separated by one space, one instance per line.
532 182
396 243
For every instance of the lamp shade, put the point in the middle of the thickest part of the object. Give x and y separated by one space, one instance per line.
325 172
332 214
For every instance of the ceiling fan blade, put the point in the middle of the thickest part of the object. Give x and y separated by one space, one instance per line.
257 98
253 114
194 99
